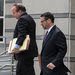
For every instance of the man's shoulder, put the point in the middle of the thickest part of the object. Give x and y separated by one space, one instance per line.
26 17
58 31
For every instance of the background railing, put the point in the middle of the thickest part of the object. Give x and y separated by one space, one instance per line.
6 61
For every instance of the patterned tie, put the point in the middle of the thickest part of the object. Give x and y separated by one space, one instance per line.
45 35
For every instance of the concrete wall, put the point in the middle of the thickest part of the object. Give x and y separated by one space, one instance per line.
72 49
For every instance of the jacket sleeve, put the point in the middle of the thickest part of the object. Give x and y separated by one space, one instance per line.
22 30
61 47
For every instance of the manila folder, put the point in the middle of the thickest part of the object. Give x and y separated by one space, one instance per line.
24 46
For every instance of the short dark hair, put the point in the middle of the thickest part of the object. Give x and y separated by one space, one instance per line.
19 7
47 16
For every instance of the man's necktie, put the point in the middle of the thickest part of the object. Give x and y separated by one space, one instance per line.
45 35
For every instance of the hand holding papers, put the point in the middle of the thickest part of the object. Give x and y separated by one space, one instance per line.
24 46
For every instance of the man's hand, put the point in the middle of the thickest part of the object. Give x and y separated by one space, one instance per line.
15 51
51 66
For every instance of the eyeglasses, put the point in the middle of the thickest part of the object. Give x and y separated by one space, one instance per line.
43 21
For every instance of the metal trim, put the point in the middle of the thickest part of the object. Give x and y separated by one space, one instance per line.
10 1
14 1
56 15
40 37
73 15
72 59
37 16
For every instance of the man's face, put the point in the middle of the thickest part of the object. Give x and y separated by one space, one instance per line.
44 23
15 14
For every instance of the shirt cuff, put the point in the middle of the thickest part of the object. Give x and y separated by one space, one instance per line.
17 46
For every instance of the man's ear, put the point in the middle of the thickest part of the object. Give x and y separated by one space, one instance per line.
49 20
20 11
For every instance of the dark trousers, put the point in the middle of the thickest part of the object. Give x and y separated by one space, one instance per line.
53 73
24 68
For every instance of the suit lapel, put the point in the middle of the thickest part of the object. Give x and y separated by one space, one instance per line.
48 37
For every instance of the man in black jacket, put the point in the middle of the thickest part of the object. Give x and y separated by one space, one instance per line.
54 48
25 26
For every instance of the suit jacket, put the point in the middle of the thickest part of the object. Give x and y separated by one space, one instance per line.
53 51
26 25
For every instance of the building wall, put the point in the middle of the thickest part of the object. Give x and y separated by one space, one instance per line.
72 49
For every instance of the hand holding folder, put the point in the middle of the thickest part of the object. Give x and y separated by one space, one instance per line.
24 46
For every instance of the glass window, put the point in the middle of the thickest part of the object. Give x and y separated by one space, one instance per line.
1 28
1 18
1 7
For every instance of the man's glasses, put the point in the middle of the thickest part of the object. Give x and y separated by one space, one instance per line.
43 21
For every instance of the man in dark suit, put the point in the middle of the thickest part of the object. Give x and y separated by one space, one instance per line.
54 48
25 26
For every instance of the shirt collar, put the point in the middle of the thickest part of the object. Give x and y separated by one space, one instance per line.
50 28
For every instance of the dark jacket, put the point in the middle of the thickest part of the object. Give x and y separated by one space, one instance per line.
53 51
26 26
